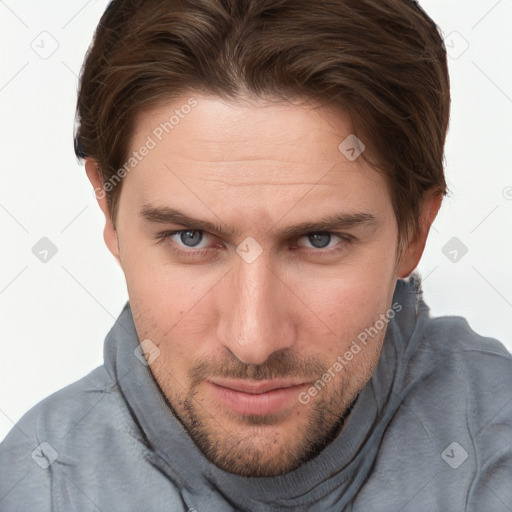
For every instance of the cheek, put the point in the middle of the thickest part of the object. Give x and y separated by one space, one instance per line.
169 292
176 313
172 330
347 306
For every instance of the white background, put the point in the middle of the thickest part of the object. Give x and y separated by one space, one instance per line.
55 315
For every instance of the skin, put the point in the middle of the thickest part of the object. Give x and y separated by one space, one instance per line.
257 167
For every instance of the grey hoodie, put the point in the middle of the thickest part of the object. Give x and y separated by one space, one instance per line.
431 431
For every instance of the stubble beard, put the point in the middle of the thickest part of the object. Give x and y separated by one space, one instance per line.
255 447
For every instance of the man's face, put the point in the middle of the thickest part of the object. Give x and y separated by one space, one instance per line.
247 319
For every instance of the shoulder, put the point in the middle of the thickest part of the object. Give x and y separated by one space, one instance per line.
63 423
57 414
457 346
450 434
458 368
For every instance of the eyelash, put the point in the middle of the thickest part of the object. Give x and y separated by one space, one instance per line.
165 236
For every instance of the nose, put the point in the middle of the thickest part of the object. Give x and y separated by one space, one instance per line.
256 317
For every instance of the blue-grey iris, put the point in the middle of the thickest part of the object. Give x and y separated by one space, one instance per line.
191 238
320 240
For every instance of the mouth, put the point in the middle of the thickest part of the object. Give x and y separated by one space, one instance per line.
256 398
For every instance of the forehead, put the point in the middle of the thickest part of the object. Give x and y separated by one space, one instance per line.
258 152
213 130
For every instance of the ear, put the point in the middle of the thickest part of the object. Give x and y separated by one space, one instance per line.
109 232
414 250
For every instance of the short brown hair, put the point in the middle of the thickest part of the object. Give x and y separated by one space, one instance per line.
382 61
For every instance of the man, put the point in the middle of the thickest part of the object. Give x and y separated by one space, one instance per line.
269 172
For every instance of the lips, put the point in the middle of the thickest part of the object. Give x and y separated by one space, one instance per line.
256 387
256 398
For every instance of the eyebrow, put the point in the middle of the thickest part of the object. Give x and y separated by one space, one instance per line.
344 220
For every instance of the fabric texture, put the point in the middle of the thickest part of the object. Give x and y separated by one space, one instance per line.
431 431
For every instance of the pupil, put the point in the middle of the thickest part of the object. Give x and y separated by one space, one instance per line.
191 238
319 240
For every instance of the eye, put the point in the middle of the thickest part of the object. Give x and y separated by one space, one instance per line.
192 243
320 240
190 238
195 244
